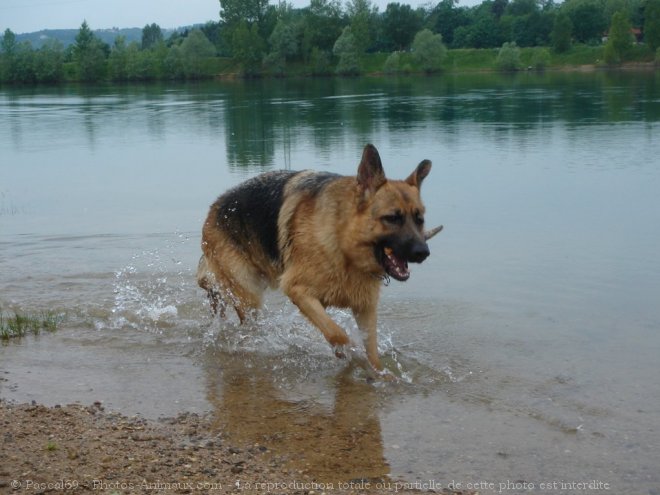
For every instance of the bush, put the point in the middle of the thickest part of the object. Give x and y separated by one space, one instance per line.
508 57
428 50
561 33
619 41
319 61
196 49
248 48
393 63
540 59
611 55
345 49
275 64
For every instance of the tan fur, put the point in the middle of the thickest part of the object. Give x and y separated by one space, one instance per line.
326 244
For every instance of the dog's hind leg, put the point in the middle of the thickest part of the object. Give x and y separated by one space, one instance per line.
245 287
218 304
206 279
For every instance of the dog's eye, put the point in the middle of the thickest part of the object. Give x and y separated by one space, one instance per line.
419 219
395 218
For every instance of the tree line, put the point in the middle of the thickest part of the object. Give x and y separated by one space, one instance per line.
253 37
183 55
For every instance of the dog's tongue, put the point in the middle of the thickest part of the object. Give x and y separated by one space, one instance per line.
396 267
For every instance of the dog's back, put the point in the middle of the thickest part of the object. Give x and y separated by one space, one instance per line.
241 239
248 214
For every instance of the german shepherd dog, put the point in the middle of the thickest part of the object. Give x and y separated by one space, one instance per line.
324 239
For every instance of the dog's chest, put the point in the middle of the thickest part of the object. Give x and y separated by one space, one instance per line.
350 290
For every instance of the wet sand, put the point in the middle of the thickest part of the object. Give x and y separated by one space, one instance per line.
80 449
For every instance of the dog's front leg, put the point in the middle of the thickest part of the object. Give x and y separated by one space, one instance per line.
312 308
366 321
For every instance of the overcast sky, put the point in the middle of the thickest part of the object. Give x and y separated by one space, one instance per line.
23 16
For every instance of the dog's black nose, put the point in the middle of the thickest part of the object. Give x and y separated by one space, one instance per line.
419 252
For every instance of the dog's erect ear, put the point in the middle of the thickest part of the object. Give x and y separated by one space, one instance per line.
417 177
370 173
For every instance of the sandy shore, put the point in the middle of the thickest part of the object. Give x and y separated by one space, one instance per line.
81 449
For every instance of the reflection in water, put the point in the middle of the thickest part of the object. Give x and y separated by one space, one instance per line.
261 119
329 438
249 127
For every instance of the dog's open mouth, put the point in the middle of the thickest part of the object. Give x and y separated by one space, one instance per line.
394 266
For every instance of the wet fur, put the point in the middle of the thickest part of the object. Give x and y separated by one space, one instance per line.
315 235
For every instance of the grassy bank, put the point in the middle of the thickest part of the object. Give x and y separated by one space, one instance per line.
478 60
456 61
484 59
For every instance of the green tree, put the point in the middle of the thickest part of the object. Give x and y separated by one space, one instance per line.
588 18
89 55
361 15
196 50
49 62
173 63
508 57
486 30
283 39
526 24
140 64
235 12
118 60
345 48
157 54
446 18
85 37
8 56
498 7
24 63
151 34
611 7
400 23
323 25
213 31
619 40
319 62
176 38
652 24
232 12
8 44
428 50
562 31
284 45
248 48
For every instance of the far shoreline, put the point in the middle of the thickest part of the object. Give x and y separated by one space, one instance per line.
578 59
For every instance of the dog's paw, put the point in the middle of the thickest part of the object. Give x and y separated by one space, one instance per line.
387 376
356 356
352 352
340 351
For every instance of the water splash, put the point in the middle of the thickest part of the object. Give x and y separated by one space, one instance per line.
153 291
281 335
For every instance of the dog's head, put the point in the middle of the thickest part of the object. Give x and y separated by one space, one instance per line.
394 215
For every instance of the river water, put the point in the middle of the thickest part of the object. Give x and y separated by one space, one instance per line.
528 343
